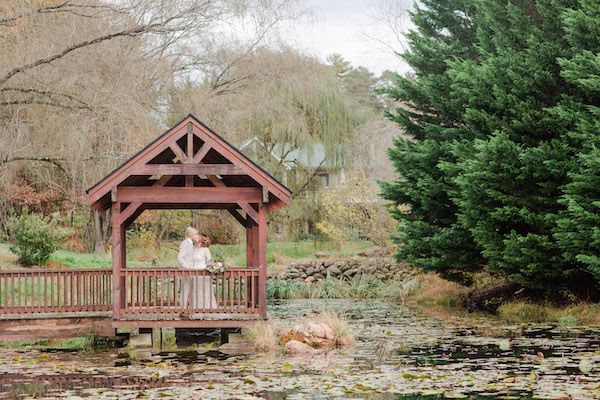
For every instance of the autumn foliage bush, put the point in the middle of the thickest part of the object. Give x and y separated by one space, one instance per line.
35 238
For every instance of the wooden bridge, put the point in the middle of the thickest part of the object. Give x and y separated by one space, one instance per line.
188 167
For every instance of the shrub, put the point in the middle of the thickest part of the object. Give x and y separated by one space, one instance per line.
35 237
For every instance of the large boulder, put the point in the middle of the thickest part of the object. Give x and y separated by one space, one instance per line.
295 347
314 334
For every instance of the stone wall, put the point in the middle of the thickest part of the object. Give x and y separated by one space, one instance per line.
378 265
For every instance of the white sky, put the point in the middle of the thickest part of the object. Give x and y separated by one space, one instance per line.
353 28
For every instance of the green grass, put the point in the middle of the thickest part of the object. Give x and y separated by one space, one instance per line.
277 253
363 287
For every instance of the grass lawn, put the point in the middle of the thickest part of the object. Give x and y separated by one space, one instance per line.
278 253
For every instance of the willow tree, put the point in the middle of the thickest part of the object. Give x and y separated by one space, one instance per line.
292 107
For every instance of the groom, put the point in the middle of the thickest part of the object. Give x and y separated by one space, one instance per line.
186 261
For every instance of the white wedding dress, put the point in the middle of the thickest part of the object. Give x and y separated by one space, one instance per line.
203 296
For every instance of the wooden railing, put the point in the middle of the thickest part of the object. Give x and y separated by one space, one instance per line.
146 291
159 291
55 290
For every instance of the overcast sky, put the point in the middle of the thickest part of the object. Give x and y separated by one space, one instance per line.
355 29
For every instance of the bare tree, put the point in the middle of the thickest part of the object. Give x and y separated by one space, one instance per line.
84 83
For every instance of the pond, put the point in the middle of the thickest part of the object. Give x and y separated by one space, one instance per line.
399 353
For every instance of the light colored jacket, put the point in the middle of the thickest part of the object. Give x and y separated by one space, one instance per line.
186 254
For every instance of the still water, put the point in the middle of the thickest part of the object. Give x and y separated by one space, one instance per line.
399 353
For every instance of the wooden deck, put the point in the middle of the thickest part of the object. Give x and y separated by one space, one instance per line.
55 302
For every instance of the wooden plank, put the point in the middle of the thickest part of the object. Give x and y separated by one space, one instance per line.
116 259
195 195
189 169
181 156
250 211
215 181
190 142
199 156
239 217
129 211
188 323
262 260
249 242
63 327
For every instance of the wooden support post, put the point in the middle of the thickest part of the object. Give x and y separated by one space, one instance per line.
249 243
116 258
249 262
123 249
262 259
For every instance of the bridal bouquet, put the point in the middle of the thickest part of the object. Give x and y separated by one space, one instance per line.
216 265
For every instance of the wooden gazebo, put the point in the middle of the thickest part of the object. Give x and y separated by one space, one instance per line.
189 167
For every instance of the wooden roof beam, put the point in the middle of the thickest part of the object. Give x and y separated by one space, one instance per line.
189 169
188 195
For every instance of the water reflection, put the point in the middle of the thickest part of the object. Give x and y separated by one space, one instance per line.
398 352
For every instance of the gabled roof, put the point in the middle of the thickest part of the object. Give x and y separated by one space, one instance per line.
219 153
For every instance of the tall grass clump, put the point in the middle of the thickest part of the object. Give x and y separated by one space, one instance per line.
432 289
523 311
284 289
329 288
339 324
262 335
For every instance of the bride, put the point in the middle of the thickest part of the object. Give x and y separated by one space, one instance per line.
203 296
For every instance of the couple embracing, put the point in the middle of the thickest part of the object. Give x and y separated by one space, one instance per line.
197 291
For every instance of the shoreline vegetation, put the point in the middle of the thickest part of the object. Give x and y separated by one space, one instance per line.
425 291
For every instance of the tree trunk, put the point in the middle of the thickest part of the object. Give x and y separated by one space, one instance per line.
489 299
101 230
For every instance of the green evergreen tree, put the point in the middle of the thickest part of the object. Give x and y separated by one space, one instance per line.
510 183
579 228
429 235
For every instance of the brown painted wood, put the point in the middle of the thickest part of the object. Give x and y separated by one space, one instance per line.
129 211
52 290
239 217
59 327
183 158
262 260
250 211
116 258
96 195
199 156
189 169
189 323
249 242
128 194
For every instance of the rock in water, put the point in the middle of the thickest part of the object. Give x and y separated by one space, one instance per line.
296 347
311 333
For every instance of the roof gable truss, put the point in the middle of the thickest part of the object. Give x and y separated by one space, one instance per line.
190 142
